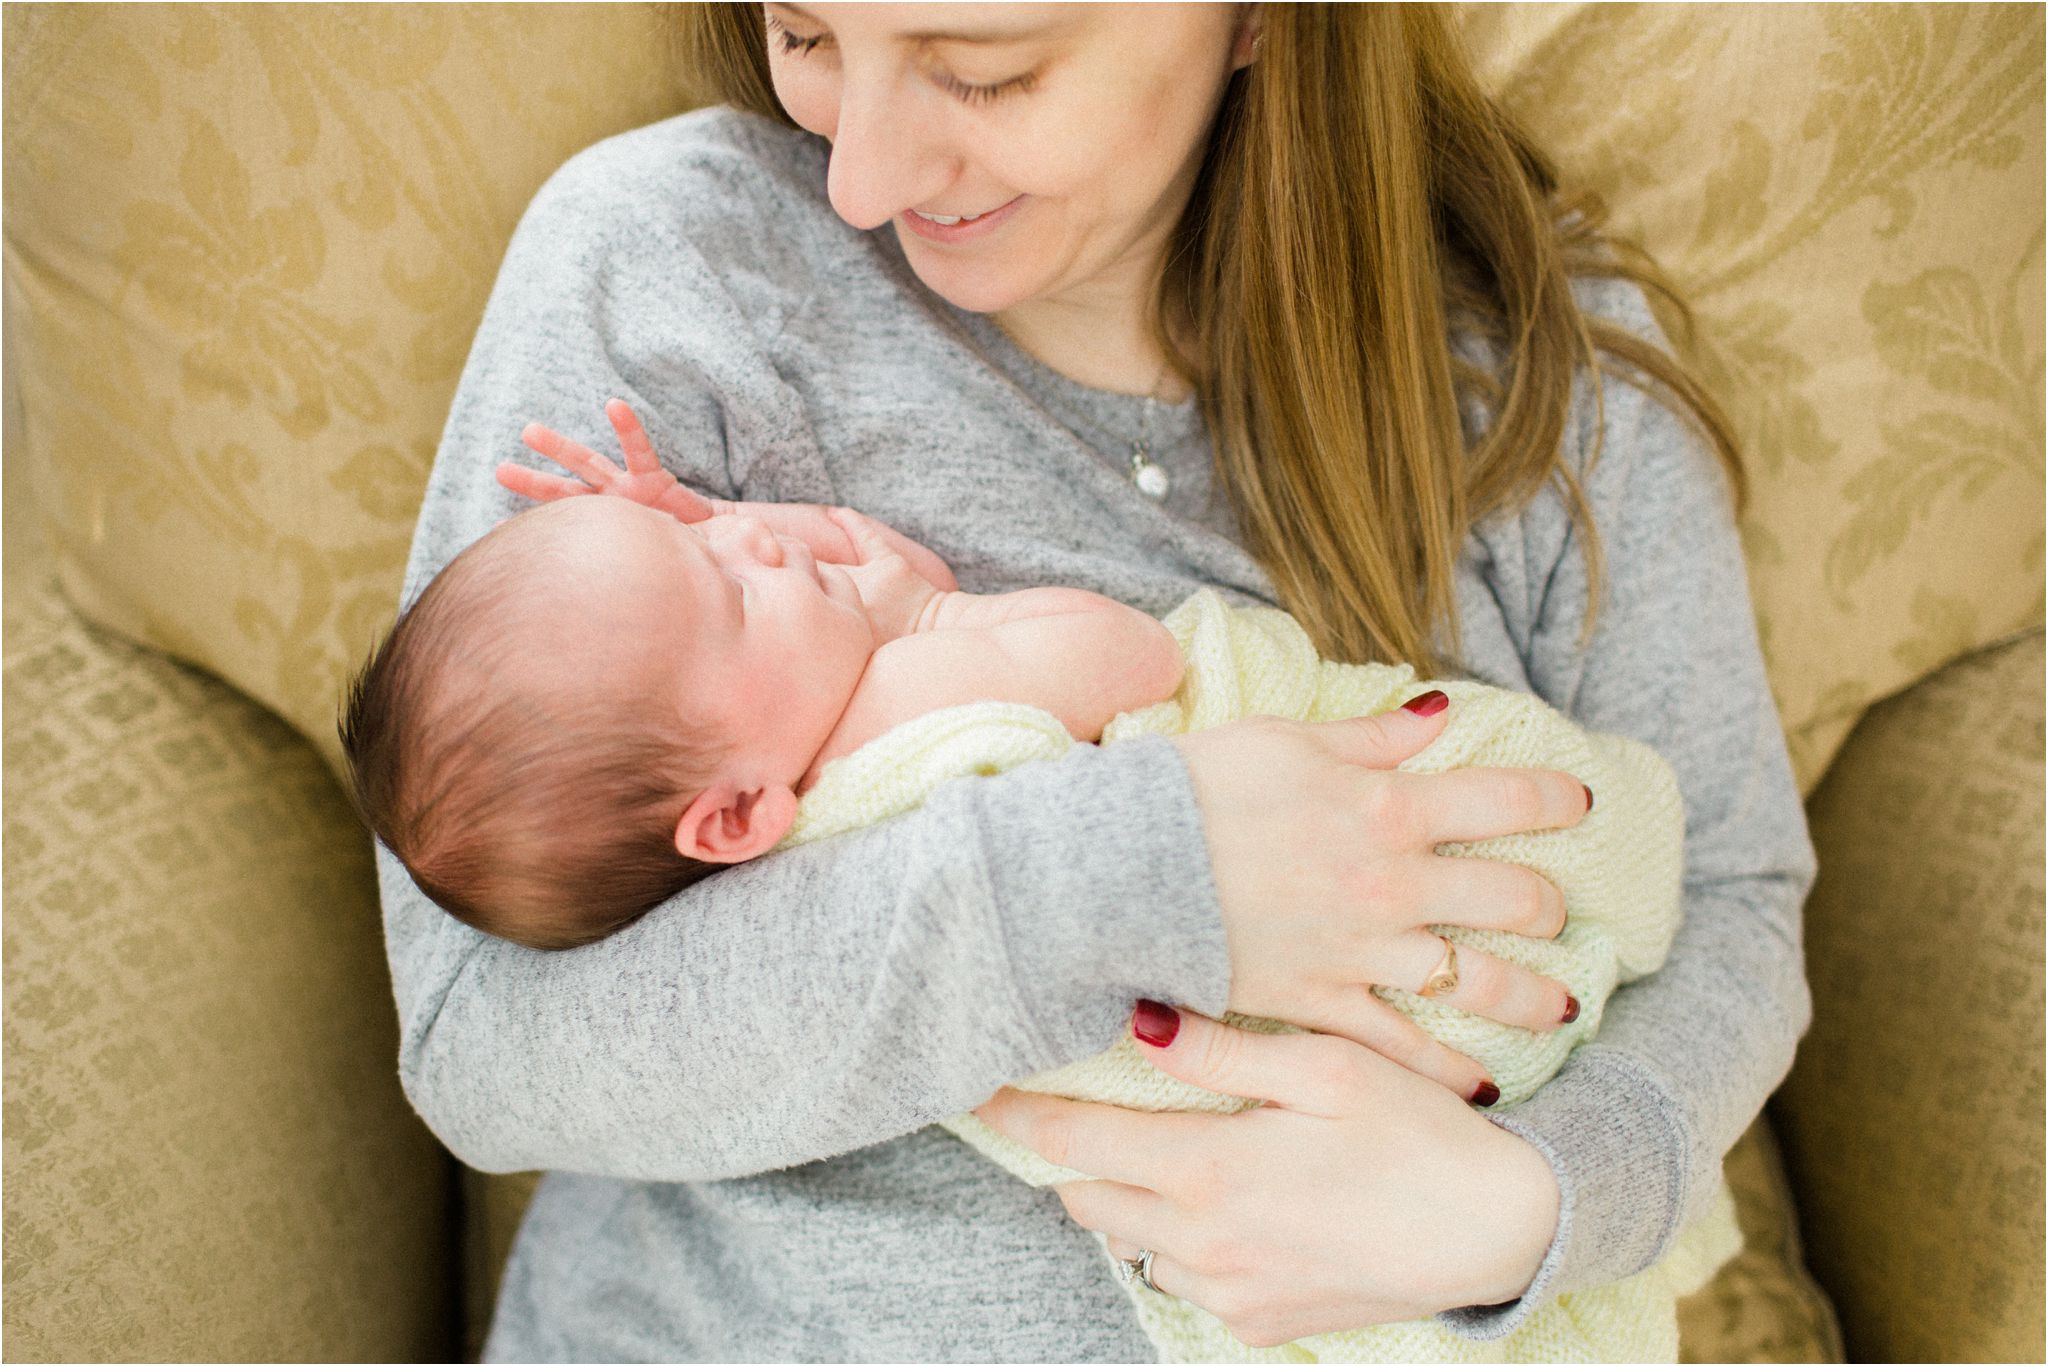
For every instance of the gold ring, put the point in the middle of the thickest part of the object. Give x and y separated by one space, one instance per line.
1444 979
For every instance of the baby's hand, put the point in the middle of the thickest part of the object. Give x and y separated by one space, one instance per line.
643 480
900 601
871 540
835 535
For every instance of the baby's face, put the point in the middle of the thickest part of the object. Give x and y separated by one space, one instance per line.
741 629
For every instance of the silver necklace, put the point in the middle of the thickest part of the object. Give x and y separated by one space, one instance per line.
1152 480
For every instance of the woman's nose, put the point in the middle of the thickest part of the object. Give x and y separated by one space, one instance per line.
883 160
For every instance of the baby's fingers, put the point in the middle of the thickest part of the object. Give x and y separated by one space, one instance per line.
633 442
572 456
542 488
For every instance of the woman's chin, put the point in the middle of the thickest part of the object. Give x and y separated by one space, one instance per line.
973 286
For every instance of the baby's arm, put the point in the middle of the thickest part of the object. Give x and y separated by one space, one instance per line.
1081 656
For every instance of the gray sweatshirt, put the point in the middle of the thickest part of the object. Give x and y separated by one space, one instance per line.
734 1096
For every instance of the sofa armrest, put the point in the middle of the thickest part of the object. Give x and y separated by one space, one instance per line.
208 1155
1912 1120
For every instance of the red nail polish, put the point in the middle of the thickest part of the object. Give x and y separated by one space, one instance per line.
1155 1024
1429 704
1487 1094
1589 796
1571 1009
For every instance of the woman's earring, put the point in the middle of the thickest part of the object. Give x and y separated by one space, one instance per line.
1258 42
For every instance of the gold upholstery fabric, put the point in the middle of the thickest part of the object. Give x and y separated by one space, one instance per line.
1850 195
246 249
1912 1121
1762 1306
207 1154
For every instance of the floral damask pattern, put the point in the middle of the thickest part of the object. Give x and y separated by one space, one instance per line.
246 249
1850 195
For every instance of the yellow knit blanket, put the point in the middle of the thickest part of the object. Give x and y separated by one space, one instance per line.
1619 870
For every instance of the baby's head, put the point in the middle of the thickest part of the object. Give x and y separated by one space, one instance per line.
595 706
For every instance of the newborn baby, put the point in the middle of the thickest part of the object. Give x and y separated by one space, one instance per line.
598 704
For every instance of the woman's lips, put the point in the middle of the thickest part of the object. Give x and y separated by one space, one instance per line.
963 231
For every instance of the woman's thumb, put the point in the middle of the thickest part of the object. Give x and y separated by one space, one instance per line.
1391 737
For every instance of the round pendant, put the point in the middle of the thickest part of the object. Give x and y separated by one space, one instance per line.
1152 482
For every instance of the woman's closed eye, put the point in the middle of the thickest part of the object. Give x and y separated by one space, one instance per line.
798 45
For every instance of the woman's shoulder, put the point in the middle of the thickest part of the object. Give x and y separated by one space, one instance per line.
711 177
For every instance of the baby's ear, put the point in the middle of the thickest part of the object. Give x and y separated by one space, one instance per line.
725 825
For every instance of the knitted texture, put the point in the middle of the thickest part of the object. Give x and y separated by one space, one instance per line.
1619 870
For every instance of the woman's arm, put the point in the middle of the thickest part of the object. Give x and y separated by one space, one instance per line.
1636 1124
829 996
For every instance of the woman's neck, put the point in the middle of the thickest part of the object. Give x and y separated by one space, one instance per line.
1105 344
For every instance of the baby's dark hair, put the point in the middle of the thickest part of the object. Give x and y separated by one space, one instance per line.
543 815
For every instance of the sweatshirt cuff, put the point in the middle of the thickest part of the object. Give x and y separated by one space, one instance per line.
1100 873
1617 1144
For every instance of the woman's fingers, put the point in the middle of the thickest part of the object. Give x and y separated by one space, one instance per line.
1314 1073
1485 894
1359 1015
1167 1271
542 488
1488 986
1467 804
572 456
1388 738
1131 1213
1107 1141
633 442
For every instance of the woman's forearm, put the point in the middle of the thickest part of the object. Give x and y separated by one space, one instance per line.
1635 1126
825 998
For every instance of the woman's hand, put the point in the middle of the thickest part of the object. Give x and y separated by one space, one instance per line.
1359 1193
829 532
1325 867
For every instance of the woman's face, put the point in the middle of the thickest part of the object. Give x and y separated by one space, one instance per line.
1075 130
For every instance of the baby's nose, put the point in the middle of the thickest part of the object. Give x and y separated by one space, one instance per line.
753 537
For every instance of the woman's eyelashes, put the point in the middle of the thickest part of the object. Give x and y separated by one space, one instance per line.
797 46
987 94
791 42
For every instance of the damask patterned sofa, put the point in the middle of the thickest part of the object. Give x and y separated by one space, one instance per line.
245 250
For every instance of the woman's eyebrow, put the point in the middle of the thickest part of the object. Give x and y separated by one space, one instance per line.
981 35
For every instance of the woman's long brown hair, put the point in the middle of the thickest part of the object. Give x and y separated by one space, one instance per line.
1359 196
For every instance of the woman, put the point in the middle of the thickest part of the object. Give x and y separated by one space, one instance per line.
1300 240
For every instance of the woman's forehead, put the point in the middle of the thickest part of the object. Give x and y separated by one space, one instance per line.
944 23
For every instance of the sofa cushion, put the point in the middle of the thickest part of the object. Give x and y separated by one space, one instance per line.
1912 1121
246 249
208 1156
1851 198
1763 1305
247 246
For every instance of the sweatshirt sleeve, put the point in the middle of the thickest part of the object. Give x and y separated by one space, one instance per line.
823 998
1636 1124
